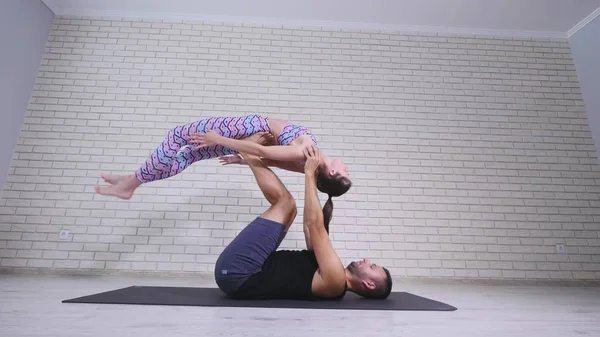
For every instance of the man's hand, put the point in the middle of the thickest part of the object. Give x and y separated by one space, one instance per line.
313 159
232 159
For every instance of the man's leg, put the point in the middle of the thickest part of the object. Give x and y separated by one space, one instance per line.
246 254
283 206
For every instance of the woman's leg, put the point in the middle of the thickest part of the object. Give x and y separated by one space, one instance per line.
174 155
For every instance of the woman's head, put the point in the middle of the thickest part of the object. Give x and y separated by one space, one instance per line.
334 179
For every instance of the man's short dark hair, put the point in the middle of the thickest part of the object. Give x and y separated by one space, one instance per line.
382 290
388 284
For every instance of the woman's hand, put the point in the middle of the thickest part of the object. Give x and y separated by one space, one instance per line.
201 140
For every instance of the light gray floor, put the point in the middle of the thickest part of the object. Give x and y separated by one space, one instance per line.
31 306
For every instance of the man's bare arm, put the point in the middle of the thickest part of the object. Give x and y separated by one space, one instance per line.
331 270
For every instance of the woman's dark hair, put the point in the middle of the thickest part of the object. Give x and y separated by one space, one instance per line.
334 186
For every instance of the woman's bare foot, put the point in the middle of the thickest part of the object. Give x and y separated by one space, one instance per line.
113 179
123 189
267 139
262 138
115 191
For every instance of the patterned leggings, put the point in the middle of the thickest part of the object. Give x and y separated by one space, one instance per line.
173 156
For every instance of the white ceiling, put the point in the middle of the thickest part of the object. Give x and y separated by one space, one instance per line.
504 17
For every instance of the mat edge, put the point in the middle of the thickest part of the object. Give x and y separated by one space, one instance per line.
80 300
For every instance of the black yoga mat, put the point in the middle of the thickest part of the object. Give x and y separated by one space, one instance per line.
213 297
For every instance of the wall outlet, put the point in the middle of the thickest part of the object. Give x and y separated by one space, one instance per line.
64 234
560 248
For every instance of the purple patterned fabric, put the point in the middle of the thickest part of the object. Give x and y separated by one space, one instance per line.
290 133
173 155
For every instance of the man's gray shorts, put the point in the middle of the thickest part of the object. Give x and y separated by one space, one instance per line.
247 253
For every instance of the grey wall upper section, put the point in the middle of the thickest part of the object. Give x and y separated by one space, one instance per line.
24 30
585 46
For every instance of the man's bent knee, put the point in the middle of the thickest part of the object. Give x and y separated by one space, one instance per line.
287 207
288 202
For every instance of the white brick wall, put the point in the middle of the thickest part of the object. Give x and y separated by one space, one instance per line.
472 157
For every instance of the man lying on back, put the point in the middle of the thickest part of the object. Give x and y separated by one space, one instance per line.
250 267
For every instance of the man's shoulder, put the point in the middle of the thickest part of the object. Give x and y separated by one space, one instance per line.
323 291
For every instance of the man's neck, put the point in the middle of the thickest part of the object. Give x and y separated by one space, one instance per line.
348 279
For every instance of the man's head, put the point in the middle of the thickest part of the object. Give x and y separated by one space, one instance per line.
369 280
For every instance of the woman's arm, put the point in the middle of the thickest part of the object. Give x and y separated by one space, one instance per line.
284 165
276 152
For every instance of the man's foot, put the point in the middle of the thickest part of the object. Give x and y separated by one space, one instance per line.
113 179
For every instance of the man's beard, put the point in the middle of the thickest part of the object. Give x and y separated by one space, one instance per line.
354 269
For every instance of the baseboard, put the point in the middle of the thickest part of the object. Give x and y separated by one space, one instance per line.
94 273
209 277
